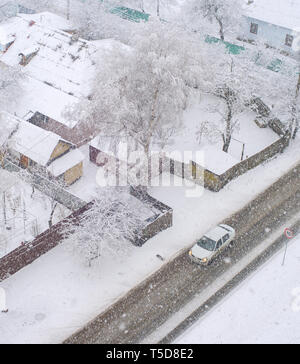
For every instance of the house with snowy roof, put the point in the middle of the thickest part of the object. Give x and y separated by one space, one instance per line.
31 146
51 56
59 67
275 22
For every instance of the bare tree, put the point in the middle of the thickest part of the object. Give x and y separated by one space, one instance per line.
106 226
93 20
226 15
237 82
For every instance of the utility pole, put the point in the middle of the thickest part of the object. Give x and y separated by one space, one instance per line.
296 48
295 107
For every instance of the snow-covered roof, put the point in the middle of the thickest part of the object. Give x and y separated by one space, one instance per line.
61 72
217 161
8 124
212 158
285 13
33 142
66 162
49 101
62 61
48 20
29 51
5 37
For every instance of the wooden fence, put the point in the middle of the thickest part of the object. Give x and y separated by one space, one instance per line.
28 253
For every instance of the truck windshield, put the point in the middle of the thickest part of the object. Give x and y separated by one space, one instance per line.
207 244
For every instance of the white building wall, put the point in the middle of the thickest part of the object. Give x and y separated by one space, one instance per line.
271 34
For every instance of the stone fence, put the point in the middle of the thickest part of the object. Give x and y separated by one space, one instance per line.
214 182
156 224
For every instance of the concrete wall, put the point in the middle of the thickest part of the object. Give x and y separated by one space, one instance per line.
214 182
153 226
190 171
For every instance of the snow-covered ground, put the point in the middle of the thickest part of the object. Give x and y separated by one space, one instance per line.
56 295
207 109
265 309
86 188
248 134
24 214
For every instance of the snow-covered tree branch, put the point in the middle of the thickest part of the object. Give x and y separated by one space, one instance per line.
237 82
105 227
93 20
141 92
225 15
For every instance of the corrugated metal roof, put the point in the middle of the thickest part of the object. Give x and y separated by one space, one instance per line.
130 14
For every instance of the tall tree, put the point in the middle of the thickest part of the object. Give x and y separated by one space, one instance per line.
94 21
239 84
140 92
226 15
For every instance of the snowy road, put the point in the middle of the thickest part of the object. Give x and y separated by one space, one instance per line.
149 305
263 309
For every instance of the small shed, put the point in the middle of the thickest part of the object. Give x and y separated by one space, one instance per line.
68 168
32 146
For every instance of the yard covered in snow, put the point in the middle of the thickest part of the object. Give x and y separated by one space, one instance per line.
247 135
265 309
24 214
56 295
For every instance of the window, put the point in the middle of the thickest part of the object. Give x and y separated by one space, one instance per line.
207 244
226 237
219 244
289 40
254 28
